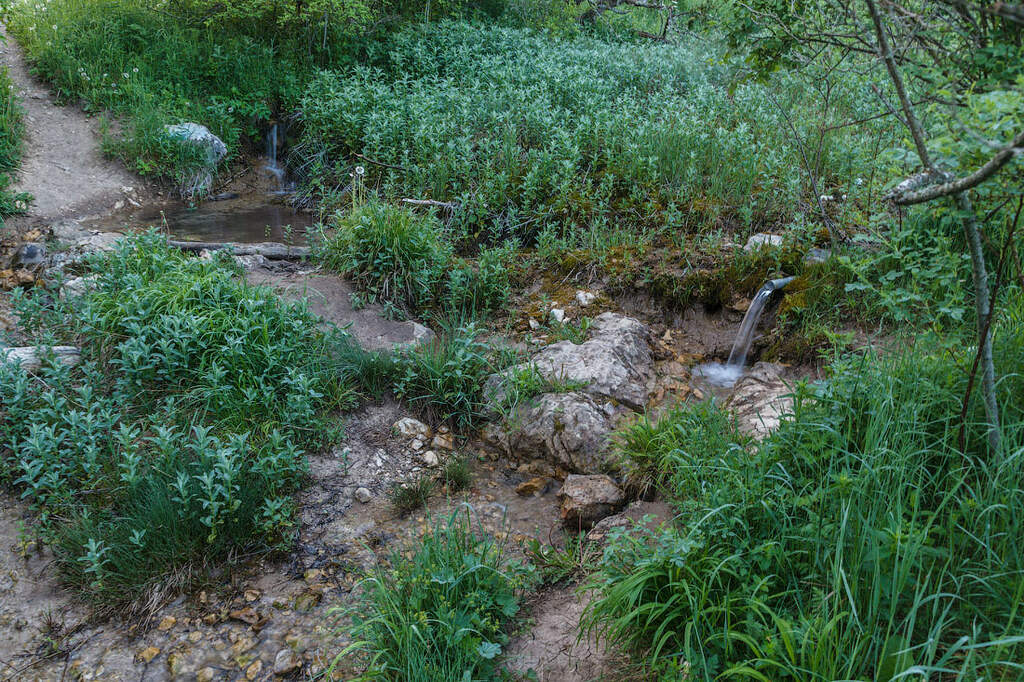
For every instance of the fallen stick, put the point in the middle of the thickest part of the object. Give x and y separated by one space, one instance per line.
272 250
430 202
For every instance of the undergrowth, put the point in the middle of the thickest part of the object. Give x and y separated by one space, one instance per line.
182 432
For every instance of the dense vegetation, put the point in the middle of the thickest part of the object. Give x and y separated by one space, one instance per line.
877 534
858 541
181 433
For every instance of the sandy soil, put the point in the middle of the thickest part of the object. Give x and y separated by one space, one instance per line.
63 166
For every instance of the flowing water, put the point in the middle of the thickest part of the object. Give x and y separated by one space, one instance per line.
718 374
271 165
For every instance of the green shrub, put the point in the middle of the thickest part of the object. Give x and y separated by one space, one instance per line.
439 616
523 130
393 253
445 378
181 434
855 542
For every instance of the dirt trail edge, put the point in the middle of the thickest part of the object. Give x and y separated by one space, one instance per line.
62 166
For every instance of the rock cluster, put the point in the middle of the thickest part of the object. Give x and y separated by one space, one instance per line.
609 374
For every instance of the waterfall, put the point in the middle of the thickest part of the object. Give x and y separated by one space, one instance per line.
718 374
271 165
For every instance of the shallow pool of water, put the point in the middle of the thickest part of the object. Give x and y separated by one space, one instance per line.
243 220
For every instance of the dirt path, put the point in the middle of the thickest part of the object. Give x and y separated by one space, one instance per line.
63 167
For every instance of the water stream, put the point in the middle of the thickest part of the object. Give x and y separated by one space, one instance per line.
272 167
718 374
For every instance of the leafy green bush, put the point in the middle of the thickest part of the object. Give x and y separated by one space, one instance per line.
180 435
855 542
439 616
393 253
523 130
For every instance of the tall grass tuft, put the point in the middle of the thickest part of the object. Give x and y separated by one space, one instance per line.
439 615
855 542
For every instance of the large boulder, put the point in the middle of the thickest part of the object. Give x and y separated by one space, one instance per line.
568 429
585 500
211 147
615 362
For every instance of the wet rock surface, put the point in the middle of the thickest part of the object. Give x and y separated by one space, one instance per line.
568 429
759 398
585 500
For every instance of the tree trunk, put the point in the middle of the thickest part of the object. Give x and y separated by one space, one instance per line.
983 310
982 298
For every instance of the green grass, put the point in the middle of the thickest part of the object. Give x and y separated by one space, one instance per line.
855 542
444 379
181 435
12 131
405 258
408 497
439 615
154 68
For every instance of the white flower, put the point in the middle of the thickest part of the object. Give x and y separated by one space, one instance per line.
360 170
125 75
135 70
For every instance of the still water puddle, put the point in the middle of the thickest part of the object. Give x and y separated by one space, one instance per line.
239 220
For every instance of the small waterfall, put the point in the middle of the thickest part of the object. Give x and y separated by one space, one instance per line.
271 165
726 375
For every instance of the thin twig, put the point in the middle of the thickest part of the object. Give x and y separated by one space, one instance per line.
381 163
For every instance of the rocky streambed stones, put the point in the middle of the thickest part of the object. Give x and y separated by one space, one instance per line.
585 500
609 373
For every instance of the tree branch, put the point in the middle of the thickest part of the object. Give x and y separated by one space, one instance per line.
942 185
